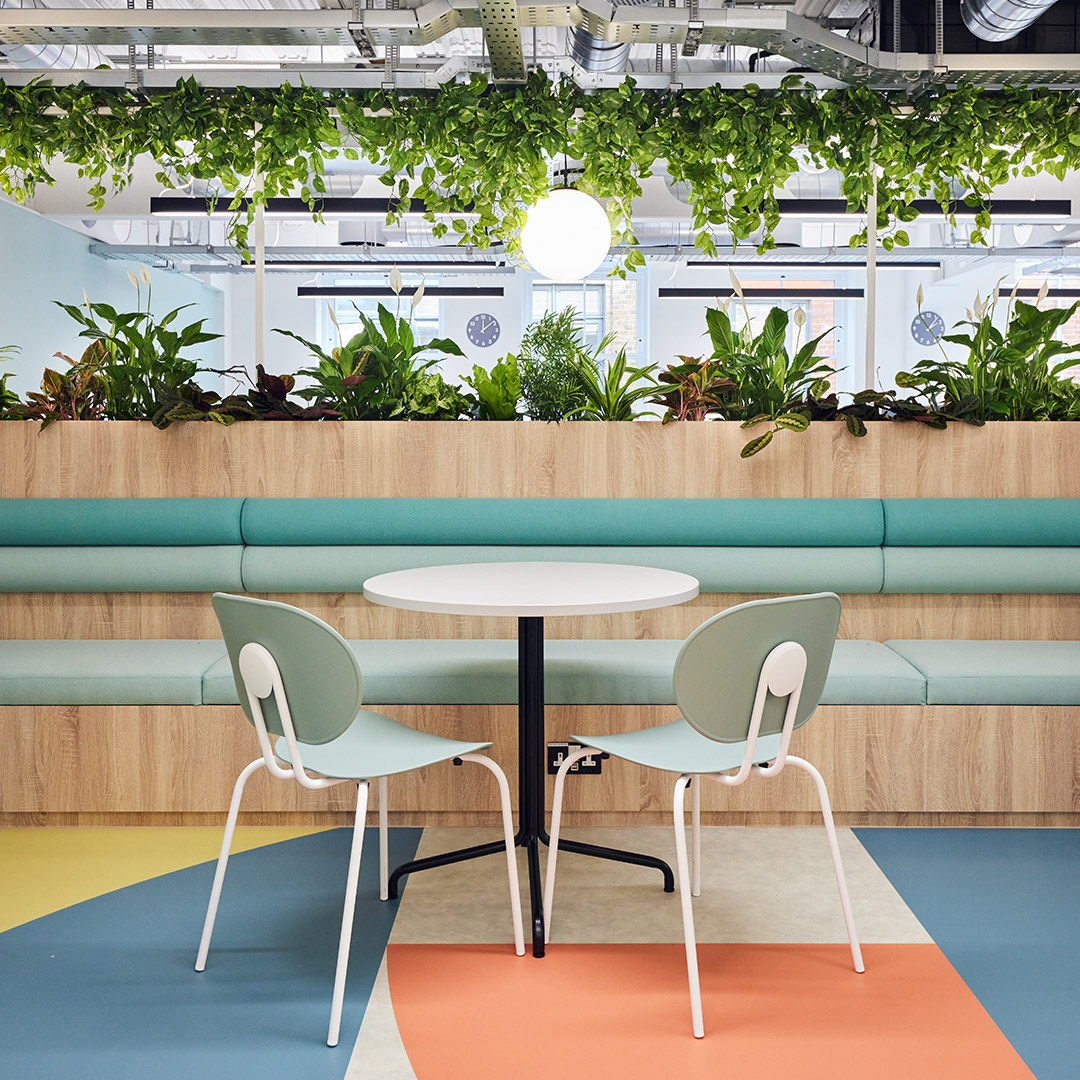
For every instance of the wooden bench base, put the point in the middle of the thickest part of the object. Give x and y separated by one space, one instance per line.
890 765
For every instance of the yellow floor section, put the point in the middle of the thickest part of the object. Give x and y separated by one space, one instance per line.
44 870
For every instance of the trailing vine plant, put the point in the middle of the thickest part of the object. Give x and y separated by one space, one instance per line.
478 156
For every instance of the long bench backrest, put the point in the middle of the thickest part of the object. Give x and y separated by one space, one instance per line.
730 545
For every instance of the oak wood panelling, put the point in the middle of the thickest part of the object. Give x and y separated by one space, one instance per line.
873 617
646 460
899 760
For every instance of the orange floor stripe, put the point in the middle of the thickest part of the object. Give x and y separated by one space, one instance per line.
772 1012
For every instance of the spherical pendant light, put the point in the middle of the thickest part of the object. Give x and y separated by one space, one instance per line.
566 236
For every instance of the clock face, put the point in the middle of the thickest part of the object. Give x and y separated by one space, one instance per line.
483 330
927 327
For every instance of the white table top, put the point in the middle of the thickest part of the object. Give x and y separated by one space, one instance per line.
528 589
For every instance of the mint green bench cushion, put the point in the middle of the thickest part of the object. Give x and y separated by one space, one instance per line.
868 673
120 569
622 522
982 522
484 672
628 672
120 522
733 569
982 570
160 672
996 672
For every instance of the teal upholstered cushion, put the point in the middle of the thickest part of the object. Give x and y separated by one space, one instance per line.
119 569
982 570
623 522
733 569
982 522
105 672
628 672
867 673
123 522
484 672
996 672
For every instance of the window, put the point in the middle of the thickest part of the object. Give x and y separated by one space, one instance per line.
603 307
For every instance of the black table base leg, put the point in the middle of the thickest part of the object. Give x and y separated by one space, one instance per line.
536 895
532 768
617 855
445 859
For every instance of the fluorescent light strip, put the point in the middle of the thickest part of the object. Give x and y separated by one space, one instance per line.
438 290
188 206
1000 209
792 293
769 266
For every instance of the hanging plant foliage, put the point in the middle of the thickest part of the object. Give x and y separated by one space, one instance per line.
478 156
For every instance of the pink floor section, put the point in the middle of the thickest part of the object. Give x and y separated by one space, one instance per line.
772 1012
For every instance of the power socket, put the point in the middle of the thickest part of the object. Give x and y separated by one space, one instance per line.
557 753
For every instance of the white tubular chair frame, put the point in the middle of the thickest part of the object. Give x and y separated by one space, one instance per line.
782 675
261 679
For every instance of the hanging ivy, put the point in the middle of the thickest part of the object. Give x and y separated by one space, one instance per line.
478 156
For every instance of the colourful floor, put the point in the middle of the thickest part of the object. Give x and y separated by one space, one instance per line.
970 940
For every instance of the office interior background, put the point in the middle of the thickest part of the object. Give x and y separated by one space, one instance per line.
963 905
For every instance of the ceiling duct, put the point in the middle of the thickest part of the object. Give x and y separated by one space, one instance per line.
64 57
999 20
594 53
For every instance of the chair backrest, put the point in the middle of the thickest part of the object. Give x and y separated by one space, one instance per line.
319 671
717 669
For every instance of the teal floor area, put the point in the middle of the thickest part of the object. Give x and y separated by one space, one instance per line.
1001 904
107 989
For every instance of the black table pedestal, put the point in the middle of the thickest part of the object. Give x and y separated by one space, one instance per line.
532 768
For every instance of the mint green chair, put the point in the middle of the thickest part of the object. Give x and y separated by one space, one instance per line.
299 681
744 680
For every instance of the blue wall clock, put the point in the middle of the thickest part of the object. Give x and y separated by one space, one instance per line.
483 330
927 327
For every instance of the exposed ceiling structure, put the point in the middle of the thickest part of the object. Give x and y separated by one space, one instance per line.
413 44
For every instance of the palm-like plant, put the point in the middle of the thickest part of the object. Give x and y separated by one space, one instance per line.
613 393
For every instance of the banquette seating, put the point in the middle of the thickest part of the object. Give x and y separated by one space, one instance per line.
297 547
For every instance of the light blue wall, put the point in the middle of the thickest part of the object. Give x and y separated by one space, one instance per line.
41 261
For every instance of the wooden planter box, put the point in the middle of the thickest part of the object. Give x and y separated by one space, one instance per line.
571 459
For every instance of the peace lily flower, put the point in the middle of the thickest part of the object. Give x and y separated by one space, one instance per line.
144 274
1043 291
133 279
418 295
395 280
919 296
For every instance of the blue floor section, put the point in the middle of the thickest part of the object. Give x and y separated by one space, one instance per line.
107 989
1001 904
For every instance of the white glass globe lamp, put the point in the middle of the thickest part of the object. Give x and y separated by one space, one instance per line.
566 235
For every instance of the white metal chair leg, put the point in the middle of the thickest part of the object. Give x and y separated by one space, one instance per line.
347 915
838 866
223 860
508 840
553 839
384 842
695 835
687 906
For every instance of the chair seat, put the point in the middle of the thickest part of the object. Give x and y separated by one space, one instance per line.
374 745
677 747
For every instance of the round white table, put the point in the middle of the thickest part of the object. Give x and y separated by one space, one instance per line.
529 591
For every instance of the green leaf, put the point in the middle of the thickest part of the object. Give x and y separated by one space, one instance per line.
754 446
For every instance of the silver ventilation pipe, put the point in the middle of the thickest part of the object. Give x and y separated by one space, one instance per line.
999 20
77 57
594 53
